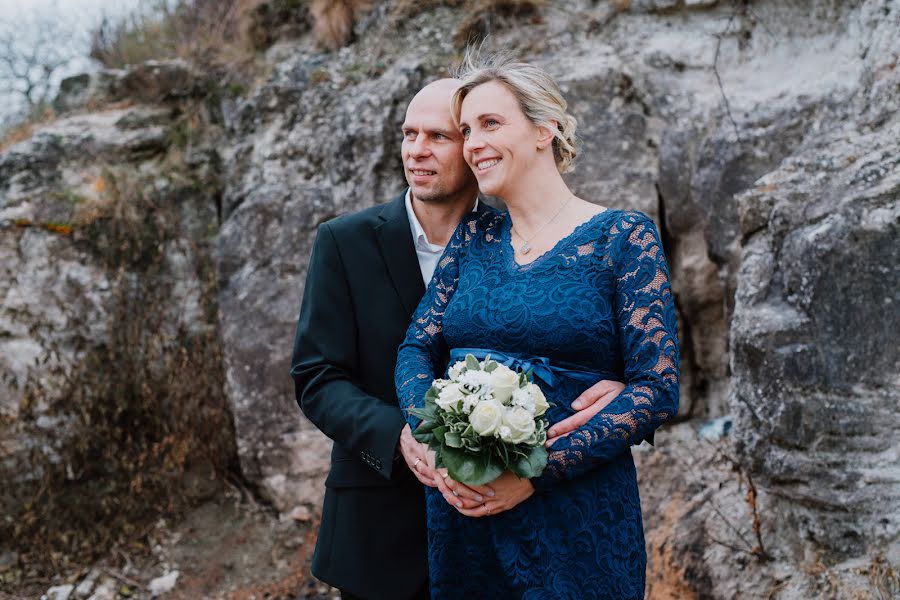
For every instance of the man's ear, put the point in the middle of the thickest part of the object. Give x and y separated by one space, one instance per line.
546 134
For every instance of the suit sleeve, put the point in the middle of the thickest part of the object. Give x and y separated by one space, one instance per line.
325 359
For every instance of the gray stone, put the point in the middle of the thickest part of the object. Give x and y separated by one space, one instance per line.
164 584
105 591
815 377
86 586
60 592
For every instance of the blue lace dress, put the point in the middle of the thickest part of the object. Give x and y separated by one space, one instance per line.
599 301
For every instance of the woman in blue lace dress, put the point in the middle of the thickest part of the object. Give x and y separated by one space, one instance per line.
559 280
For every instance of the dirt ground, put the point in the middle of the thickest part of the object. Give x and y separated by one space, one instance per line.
229 547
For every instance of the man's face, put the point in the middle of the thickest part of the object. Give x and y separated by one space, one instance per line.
432 148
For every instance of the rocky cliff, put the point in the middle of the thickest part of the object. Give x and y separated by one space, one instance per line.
762 136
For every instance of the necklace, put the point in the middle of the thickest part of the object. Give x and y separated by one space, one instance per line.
526 247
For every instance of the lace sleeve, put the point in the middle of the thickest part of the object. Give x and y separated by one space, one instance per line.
423 354
646 321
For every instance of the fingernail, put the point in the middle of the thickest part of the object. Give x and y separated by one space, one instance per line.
551 433
490 493
478 498
459 505
576 405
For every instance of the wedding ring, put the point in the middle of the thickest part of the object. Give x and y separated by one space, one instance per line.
446 476
415 464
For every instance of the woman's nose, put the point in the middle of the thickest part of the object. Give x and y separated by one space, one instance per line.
473 142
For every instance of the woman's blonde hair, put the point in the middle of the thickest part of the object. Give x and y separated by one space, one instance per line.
537 93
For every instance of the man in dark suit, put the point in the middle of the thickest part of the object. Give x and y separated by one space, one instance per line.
367 274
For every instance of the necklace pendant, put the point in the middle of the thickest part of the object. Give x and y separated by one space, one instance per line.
526 248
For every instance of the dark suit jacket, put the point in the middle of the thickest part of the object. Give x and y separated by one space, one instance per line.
362 288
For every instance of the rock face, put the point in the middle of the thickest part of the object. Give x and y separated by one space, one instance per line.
816 391
104 237
761 136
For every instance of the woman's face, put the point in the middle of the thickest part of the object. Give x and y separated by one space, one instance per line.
500 142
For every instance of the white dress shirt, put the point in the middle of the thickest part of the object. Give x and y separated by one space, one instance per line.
427 253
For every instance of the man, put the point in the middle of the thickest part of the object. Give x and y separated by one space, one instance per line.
367 274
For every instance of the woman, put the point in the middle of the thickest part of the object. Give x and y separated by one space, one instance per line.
583 286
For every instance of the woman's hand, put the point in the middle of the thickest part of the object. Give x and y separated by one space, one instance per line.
509 491
458 495
589 403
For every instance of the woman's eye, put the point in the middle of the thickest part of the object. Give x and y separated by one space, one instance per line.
465 132
491 123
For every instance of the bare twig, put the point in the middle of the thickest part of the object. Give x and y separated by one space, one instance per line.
719 80
124 578
759 550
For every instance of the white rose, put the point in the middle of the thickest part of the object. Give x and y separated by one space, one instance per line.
540 401
505 382
520 424
457 369
449 396
486 417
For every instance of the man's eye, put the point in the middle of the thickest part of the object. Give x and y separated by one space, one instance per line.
410 135
440 136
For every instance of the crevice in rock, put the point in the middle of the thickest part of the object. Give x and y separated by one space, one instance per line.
689 367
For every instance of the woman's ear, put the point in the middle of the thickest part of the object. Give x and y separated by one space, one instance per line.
546 134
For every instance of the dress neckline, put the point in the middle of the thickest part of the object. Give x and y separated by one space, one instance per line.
507 247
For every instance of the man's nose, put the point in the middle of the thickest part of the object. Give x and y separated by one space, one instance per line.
419 147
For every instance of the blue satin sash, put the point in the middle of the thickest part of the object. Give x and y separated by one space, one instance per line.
540 368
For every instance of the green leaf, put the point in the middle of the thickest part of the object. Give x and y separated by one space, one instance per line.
452 439
531 465
472 363
432 394
467 468
425 438
439 433
490 365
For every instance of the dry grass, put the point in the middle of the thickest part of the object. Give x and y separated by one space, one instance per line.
204 32
333 20
16 134
22 131
483 17
144 425
223 32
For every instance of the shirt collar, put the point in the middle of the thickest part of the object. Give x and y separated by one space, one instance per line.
419 237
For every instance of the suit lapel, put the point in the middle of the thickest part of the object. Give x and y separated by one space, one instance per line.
399 253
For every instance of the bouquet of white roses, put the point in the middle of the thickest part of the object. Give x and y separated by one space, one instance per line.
484 420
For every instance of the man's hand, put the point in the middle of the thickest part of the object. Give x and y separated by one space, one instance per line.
589 403
415 454
509 491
